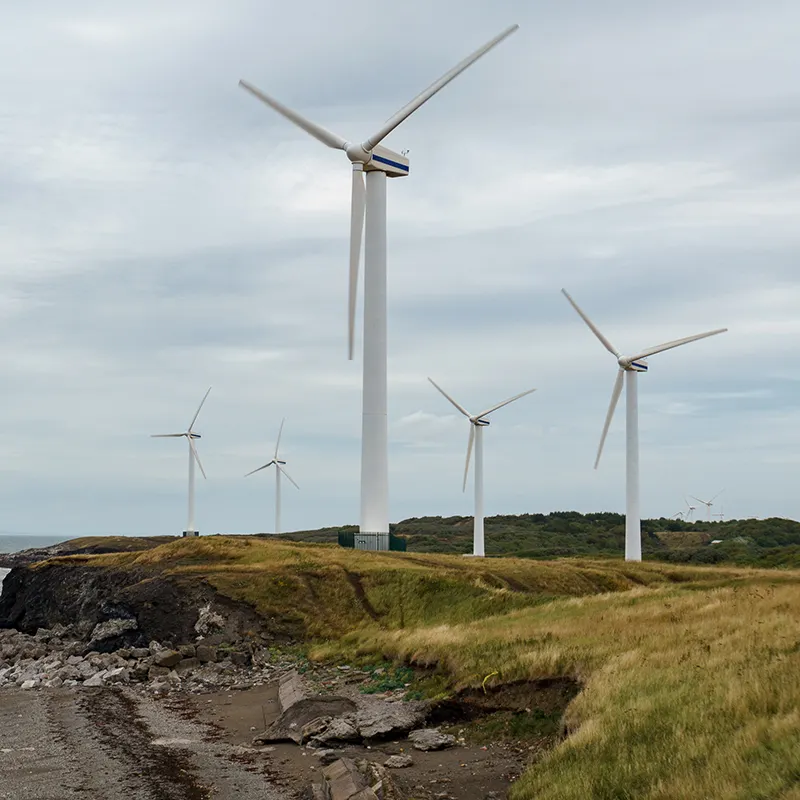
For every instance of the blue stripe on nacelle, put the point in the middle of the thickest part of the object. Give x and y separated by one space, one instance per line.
639 366
394 164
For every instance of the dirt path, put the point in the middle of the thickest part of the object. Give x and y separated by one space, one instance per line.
107 744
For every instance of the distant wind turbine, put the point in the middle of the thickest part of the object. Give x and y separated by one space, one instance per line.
691 510
279 464
708 503
629 367
678 515
190 437
368 216
476 425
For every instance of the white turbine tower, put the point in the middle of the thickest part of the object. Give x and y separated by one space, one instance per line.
691 510
190 436
476 425
708 503
279 469
370 201
629 366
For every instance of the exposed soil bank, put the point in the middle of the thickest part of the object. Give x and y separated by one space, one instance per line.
166 609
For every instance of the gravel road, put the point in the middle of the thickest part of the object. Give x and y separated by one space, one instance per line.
109 744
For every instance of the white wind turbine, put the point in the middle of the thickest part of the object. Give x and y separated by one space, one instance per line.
476 425
370 201
279 468
629 366
691 510
190 436
708 503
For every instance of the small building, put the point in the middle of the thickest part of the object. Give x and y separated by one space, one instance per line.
372 541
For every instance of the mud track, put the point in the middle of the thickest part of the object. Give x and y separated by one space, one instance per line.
108 744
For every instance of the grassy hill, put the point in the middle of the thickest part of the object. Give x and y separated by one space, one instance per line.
690 675
767 542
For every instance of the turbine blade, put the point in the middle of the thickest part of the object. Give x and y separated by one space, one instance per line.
196 457
408 109
197 413
288 476
469 454
698 500
278 442
677 343
259 469
504 403
595 330
317 131
166 435
442 391
615 393
716 495
357 207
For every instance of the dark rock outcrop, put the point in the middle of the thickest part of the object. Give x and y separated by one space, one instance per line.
127 607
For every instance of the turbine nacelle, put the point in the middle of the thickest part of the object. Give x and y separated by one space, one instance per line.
633 364
479 423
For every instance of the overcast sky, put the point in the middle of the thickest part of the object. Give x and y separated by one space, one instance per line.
162 232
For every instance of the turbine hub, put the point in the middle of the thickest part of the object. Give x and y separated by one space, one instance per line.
357 154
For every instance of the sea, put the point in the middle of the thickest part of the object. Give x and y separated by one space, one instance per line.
13 543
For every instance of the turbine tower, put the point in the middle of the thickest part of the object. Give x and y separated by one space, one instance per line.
370 202
629 367
190 437
476 425
691 510
708 503
279 469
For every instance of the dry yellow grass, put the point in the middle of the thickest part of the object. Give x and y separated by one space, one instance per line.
691 675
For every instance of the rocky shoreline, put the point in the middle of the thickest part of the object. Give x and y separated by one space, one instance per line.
52 658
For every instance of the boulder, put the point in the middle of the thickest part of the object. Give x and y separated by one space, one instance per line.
383 720
341 729
188 650
431 739
155 672
208 621
111 628
96 679
399 761
288 727
166 658
206 653
326 756
118 675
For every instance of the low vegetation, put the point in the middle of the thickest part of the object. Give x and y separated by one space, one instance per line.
690 675
754 542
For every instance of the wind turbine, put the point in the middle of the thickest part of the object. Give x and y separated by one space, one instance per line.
476 425
691 510
708 503
190 437
678 515
370 202
279 464
629 367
